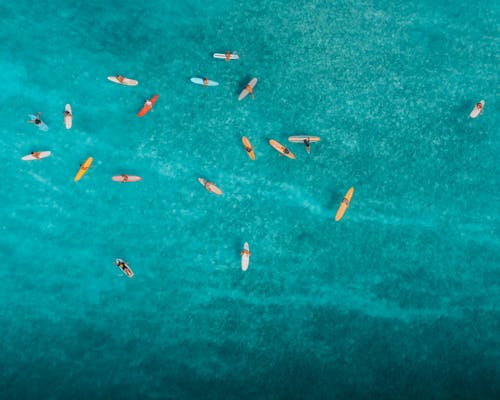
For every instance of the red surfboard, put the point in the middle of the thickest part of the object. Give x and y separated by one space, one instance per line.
148 105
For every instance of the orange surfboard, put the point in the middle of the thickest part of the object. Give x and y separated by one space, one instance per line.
248 147
148 105
344 204
83 168
281 149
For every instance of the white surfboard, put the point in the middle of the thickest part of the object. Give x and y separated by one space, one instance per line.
68 118
245 257
200 81
36 155
477 110
125 81
307 140
244 93
232 56
301 138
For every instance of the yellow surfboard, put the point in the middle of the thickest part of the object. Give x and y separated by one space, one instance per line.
344 204
83 168
248 147
281 149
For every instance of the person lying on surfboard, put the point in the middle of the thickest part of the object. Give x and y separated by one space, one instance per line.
248 149
286 151
36 154
37 121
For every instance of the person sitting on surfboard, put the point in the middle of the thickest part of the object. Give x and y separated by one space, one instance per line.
205 81
307 142
249 89
119 78
286 151
245 252
125 177
228 55
66 113
480 106
35 154
37 121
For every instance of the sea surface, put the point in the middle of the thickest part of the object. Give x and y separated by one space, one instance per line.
398 300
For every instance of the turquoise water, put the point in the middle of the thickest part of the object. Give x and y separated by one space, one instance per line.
401 299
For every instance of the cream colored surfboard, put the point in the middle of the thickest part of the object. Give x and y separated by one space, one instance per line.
210 186
248 89
477 110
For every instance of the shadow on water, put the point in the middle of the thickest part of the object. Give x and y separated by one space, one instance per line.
242 83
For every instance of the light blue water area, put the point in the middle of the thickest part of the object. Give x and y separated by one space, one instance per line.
398 300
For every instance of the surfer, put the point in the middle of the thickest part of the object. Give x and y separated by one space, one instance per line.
37 121
125 177
245 252
120 78
205 81
36 154
286 151
228 55
307 142
479 106
67 113
124 267
249 89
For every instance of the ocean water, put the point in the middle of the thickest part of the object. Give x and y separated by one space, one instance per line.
399 300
